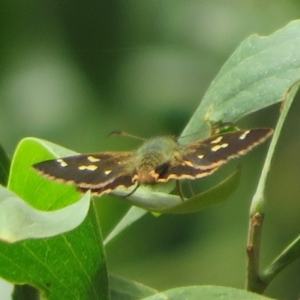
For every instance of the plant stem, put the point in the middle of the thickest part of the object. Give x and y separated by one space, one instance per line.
286 257
255 282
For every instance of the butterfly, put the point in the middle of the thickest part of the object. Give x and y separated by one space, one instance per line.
158 160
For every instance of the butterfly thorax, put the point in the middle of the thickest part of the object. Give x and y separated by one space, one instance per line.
153 158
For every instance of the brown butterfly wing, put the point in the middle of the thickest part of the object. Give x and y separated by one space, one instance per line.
103 172
203 157
120 181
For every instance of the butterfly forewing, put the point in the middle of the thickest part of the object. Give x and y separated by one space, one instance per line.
89 171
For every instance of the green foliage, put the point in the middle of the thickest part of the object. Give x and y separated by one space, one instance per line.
68 266
207 293
76 256
19 221
258 74
72 265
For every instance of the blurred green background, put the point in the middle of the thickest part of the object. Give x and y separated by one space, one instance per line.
73 71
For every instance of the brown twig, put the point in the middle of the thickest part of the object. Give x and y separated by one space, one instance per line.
254 282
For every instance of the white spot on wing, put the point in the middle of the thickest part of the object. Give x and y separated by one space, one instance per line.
200 156
93 158
243 136
88 167
217 140
107 172
218 147
62 162
187 163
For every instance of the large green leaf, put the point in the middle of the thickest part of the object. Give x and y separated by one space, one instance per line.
258 74
124 289
68 266
132 215
164 203
207 293
208 198
27 183
219 193
19 221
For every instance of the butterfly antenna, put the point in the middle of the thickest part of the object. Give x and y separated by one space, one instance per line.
118 132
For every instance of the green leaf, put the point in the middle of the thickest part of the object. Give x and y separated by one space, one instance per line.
132 215
69 266
145 198
27 183
217 194
4 166
207 293
204 200
124 289
258 74
19 221
164 203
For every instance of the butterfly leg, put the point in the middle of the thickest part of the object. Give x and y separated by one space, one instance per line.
191 189
130 193
179 189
